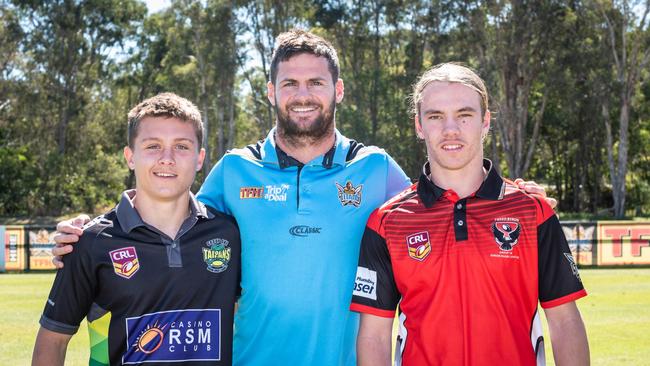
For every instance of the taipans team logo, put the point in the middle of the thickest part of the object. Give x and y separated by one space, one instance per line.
349 194
174 336
251 192
419 245
217 255
506 233
125 261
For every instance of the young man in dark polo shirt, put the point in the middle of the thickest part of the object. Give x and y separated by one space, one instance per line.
465 254
158 275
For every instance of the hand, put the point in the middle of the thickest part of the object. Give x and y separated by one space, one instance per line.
534 188
67 233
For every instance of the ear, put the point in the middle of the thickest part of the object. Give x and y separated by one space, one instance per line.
418 128
339 90
270 92
199 161
486 124
128 156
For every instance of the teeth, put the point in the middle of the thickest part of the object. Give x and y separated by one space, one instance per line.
451 147
304 109
165 174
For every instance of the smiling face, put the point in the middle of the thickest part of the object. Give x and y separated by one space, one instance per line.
452 126
165 157
305 96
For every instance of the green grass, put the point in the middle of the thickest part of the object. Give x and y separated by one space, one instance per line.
616 313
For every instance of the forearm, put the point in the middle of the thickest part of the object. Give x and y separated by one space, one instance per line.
569 340
372 351
50 348
373 340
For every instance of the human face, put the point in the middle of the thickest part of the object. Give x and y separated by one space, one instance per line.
165 158
450 122
305 96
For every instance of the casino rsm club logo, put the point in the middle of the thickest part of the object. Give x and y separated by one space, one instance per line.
304 230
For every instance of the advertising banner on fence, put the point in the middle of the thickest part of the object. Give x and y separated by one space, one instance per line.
623 243
41 242
14 248
582 241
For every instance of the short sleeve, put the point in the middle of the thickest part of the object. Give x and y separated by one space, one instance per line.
396 179
559 279
375 291
73 290
212 189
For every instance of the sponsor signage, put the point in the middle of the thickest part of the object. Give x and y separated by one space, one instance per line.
365 283
14 248
623 242
41 242
174 336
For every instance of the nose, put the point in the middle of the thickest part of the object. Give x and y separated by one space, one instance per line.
450 126
167 157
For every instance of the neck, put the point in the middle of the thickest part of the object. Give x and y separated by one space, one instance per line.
165 215
304 149
463 181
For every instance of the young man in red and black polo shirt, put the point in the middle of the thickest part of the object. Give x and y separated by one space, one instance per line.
465 254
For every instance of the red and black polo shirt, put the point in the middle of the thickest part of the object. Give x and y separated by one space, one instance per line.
467 273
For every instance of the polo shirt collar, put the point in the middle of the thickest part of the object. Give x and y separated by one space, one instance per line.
492 187
129 218
273 154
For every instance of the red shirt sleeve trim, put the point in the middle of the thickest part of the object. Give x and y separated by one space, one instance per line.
564 299
374 311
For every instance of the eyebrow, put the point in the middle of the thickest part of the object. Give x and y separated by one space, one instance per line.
436 111
156 139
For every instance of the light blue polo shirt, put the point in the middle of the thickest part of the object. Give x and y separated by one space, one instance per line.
301 227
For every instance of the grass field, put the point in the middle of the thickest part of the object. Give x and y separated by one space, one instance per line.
616 312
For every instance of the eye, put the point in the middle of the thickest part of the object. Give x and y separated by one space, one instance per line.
317 83
434 117
182 147
152 147
289 84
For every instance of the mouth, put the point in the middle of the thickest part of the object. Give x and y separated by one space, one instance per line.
165 175
451 147
303 109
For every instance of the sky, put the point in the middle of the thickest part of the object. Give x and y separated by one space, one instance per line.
156 5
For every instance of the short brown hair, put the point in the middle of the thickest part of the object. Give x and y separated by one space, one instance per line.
450 73
167 105
296 42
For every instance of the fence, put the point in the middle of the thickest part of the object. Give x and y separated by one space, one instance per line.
598 243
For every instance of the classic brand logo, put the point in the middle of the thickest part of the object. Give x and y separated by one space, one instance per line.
506 232
419 245
125 261
174 336
251 192
217 255
304 230
276 193
349 194
365 284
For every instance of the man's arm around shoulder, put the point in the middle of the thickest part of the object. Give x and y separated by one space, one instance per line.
374 340
50 348
568 335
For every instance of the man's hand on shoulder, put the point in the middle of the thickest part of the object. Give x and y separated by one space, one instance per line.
67 233
533 188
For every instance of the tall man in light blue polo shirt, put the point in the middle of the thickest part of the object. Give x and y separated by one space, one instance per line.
301 198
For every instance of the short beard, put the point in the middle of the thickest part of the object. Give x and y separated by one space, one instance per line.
317 131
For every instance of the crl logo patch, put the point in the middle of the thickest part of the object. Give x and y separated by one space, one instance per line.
349 194
125 261
419 245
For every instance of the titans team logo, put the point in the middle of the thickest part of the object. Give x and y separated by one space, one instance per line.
506 233
419 245
349 194
216 255
125 261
